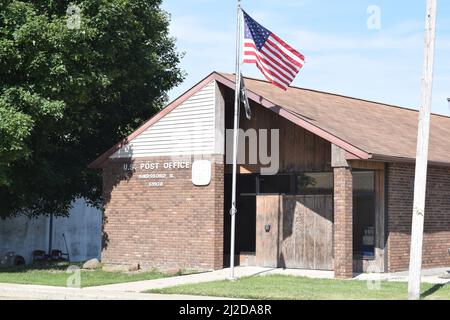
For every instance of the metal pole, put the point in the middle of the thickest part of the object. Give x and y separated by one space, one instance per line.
415 262
233 209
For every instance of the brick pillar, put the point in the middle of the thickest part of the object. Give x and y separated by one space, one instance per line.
343 222
218 177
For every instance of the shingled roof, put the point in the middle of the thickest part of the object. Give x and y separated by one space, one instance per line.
365 129
384 131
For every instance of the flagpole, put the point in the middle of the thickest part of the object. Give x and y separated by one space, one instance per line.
233 209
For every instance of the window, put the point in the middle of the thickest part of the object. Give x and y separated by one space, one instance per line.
364 213
278 184
246 183
309 183
363 181
315 183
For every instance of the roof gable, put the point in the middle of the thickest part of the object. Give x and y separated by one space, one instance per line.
187 129
122 145
364 129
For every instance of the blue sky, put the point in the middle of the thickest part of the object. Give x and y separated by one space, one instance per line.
343 55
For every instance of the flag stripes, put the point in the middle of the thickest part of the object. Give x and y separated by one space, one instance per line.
269 68
273 57
277 61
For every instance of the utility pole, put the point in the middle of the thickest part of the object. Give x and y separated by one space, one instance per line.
415 262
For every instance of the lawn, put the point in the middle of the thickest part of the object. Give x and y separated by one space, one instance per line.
300 288
57 275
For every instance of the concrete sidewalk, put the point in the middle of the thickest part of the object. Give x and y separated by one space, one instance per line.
433 276
217 275
133 290
35 292
124 291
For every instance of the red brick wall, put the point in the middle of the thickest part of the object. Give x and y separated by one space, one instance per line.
175 226
343 221
437 216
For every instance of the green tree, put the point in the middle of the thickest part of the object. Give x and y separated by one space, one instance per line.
75 77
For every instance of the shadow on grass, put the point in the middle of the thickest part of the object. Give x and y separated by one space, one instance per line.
432 290
56 266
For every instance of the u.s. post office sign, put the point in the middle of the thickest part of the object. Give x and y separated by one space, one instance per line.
159 172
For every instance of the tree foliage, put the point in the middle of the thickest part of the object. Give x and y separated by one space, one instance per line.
68 93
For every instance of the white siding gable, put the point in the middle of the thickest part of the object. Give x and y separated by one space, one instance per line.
188 129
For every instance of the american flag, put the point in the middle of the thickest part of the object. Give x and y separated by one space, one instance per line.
278 61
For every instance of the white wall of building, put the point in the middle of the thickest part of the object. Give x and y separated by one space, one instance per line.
82 229
188 129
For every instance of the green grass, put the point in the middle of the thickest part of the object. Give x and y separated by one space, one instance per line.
57 275
300 288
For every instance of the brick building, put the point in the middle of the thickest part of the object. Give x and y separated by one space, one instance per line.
340 200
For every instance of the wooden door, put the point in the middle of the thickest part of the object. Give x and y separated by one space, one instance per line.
304 231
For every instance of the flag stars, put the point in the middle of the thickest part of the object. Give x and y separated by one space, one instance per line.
255 31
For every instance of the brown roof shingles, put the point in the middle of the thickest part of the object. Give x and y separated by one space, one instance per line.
375 130
382 130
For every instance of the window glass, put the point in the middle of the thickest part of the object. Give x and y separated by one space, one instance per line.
315 182
300 183
364 214
246 183
279 184
363 181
